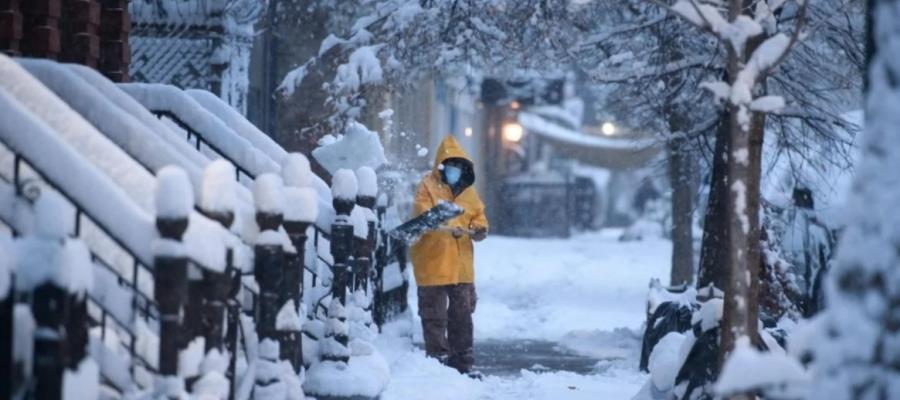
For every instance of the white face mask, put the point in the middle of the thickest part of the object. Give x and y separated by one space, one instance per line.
452 174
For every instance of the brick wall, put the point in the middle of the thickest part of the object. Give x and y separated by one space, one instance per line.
79 32
41 28
115 53
10 27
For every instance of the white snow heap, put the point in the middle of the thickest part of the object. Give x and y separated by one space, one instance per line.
358 147
771 370
269 382
53 219
295 171
174 194
288 319
709 315
368 181
666 359
213 384
268 194
83 382
76 272
302 204
359 319
218 188
344 185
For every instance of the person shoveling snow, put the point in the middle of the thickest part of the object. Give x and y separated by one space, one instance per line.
443 261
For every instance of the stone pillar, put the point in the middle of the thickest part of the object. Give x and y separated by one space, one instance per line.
41 28
10 27
79 27
115 53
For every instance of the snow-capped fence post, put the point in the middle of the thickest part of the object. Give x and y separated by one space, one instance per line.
365 199
300 213
217 203
381 253
6 318
174 201
269 252
56 272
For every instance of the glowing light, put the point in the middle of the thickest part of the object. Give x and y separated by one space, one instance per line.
513 132
468 132
608 128
514 105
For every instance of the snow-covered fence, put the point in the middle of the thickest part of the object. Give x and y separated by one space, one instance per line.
177 289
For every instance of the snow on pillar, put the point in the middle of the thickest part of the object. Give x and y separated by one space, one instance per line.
301 211
268 194
58 274
174 201
217 203
381 252
361 311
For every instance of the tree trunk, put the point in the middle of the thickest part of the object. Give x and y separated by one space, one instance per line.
715 242
681 179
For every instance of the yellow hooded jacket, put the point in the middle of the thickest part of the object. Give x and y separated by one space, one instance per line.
438 258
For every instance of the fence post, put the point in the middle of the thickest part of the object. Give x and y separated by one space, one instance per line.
381 251
174 200
300 212
268 194
6 318
343 188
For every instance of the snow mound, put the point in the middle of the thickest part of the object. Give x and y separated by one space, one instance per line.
344 185
218 187
365 376
665 360
368 181
358 147
770 371
302 204
268 194
174 194
295 171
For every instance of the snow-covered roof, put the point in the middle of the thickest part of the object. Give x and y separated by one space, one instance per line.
592 150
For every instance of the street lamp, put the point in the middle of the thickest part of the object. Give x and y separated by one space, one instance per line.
513 132
608 128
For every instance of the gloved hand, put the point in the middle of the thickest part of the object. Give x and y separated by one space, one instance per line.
479 233
457 232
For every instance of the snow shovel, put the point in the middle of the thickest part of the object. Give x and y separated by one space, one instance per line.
411 230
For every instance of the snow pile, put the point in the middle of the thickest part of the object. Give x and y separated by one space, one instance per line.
83 382
358 147
773 372
368 181
360 317
359 219
268 194
302 200
709 315
344 185
366 374
658 295
666 359
213 384
288 319
47 256
174 195
269 384
190 358
295 171
218 188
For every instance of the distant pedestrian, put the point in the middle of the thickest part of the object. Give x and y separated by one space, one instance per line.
443 260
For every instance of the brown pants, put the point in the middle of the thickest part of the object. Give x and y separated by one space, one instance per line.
446 313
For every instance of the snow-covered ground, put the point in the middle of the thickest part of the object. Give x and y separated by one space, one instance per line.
585 295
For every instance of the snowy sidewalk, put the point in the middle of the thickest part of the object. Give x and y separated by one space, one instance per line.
576 302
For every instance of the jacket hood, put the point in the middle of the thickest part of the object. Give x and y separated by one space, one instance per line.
451 149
